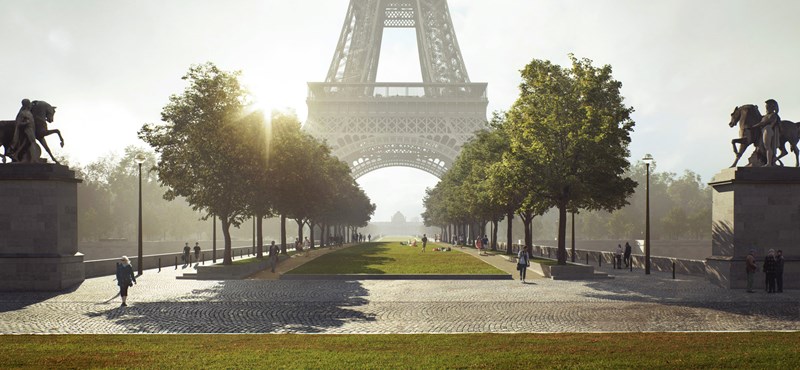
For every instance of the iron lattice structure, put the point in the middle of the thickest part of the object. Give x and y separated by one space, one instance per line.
373 125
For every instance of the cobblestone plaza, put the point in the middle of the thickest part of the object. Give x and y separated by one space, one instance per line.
631 302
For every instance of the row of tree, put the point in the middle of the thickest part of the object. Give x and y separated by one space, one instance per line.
107 201
229 161
563 144
680 209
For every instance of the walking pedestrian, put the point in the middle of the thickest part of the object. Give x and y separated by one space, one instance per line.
618 257
186 253
523 261
779 270
627 256
770 268
485 241
196 251
273 255
125 278
424 241
751 268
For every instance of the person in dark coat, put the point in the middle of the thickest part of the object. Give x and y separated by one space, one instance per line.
627 256
779 270
273 256
770 268
197 251
186 253
125 278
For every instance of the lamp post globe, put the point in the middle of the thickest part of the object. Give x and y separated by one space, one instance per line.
139 159
648 159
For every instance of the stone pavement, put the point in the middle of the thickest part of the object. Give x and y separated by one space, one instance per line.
630 302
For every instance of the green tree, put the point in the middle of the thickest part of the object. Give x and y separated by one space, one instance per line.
200 146
295 157
569 132
257 139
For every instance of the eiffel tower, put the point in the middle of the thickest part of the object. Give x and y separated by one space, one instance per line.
373 125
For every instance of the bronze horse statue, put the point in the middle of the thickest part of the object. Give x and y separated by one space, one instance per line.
748 116
43 113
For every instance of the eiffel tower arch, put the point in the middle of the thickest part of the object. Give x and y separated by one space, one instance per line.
373 125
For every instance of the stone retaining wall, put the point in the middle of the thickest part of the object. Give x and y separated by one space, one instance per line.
657 263
105 267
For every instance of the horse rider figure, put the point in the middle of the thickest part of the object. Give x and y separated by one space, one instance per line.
24 132
770 126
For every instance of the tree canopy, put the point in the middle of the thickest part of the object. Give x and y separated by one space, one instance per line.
203 146
569 132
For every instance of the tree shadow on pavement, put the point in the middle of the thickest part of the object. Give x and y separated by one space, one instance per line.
694 292
249 306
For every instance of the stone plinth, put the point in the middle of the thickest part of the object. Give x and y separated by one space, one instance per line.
39 228
754 208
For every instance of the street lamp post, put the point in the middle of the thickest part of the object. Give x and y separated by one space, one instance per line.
214 240
139 159
648 159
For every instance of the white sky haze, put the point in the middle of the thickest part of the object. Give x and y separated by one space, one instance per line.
110 65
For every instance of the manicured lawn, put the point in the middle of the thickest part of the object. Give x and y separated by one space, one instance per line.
425 351
393 258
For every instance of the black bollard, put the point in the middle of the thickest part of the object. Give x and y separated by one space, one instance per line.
204 259
159 264
673 270
587 258
630 262
600 260
176 262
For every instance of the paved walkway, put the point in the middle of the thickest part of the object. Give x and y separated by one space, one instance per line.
630 302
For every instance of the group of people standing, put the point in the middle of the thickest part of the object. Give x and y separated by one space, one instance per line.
359 237
772 267
621 256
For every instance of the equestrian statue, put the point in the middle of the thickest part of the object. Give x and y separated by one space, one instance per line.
766 133
19 137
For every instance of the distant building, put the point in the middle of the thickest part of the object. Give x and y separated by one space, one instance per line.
398 226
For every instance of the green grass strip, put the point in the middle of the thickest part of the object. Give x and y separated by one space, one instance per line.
393 258
424 351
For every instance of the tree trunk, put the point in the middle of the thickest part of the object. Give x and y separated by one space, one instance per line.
226 233
509 241
323 233
527 219
283 234
562 233
311 232
495 225
300 224
259 236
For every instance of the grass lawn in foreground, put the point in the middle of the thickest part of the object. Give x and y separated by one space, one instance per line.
393 258
422 351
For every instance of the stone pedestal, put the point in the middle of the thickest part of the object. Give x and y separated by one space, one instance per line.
39 228
754 208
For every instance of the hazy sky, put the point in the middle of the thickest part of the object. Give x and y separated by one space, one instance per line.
110 66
